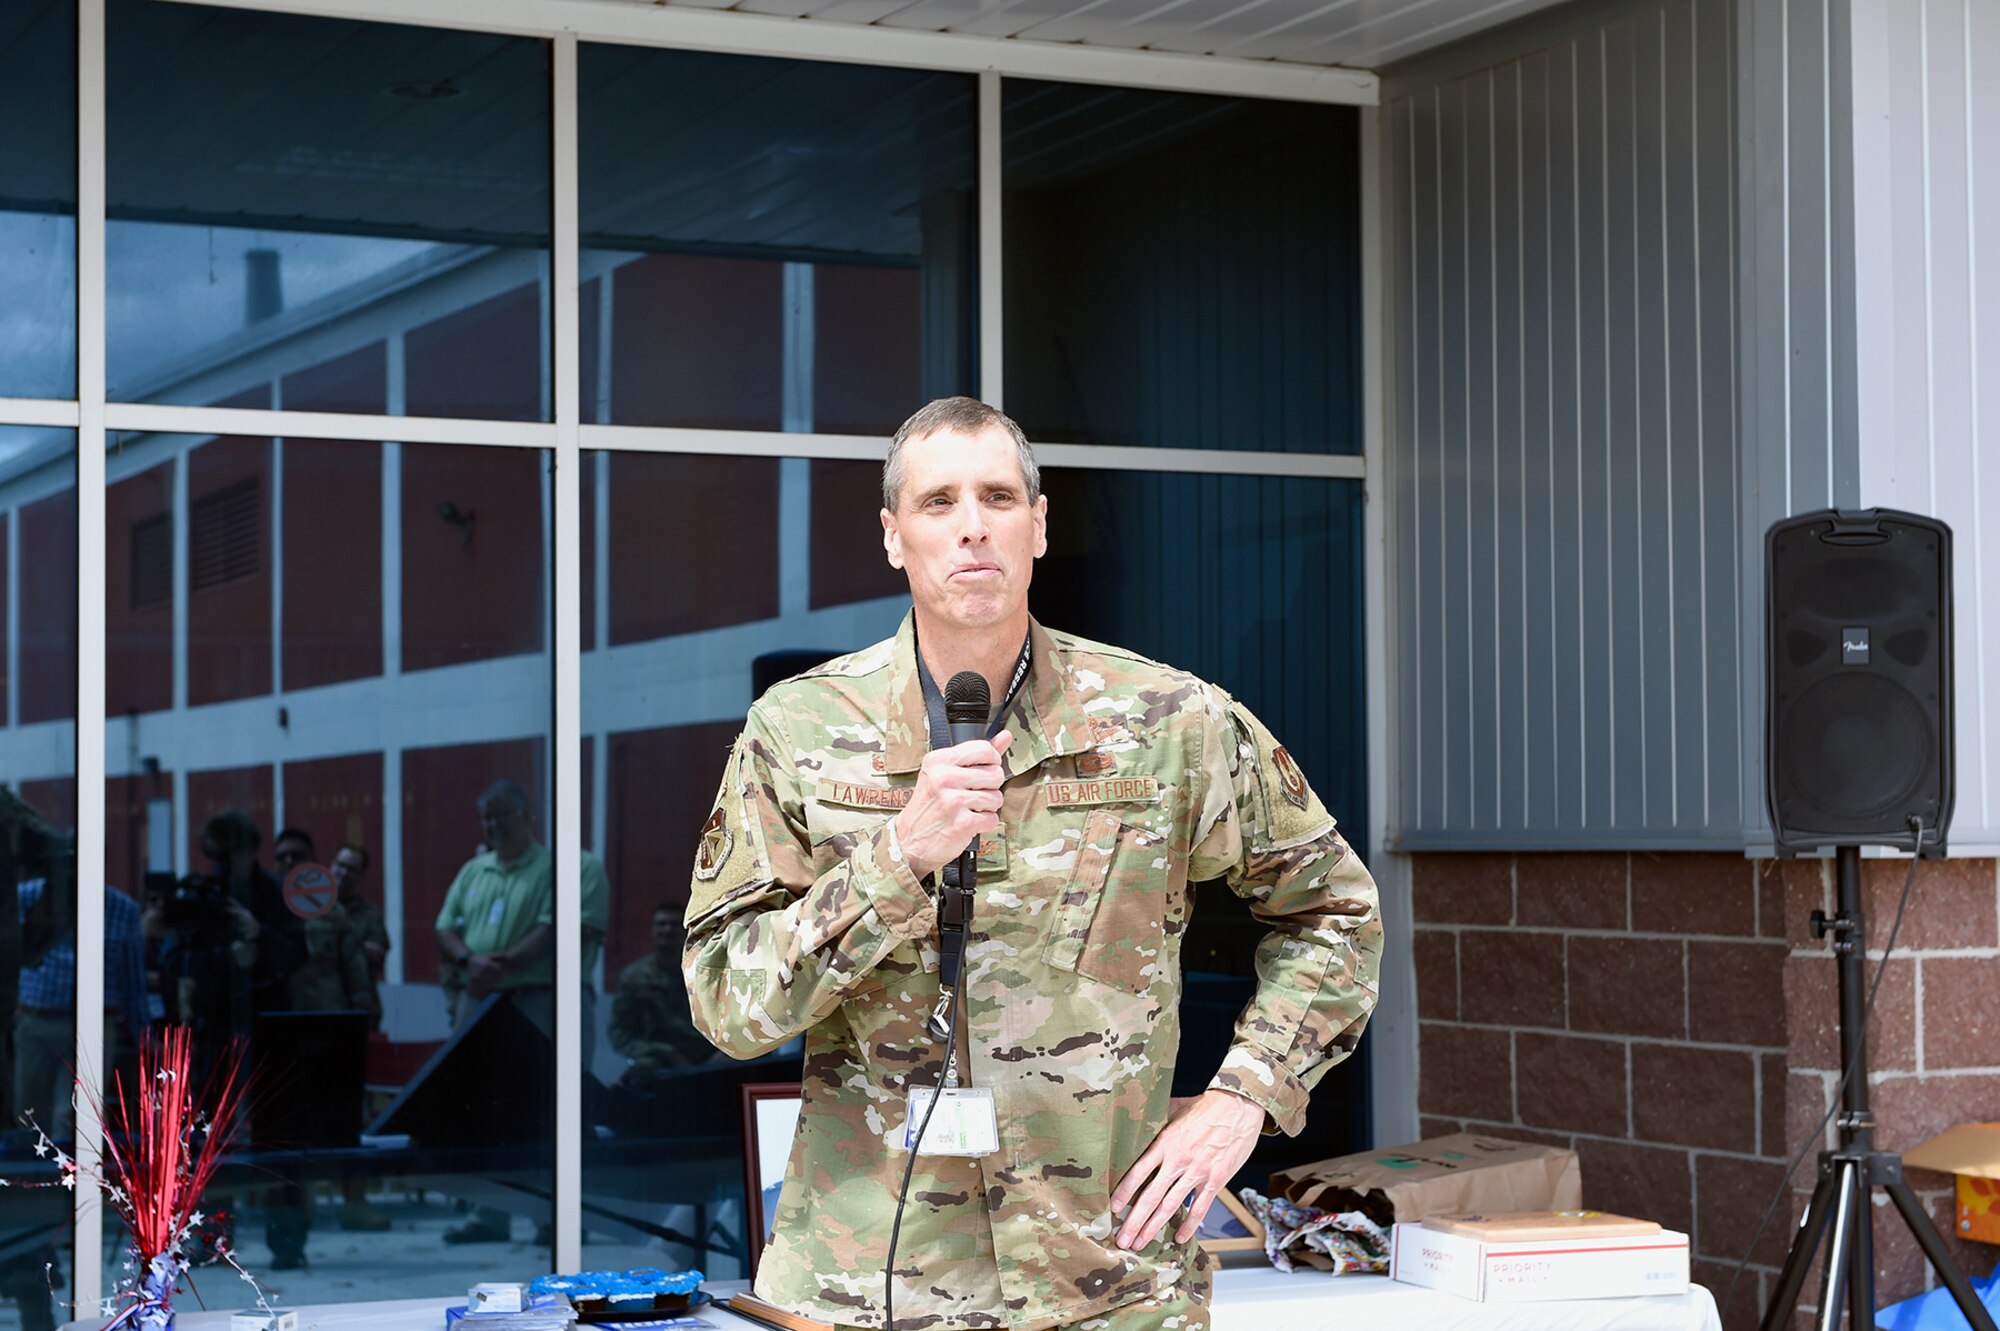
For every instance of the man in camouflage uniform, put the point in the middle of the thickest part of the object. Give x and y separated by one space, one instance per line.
335 975
1111 785
349 867
649 1016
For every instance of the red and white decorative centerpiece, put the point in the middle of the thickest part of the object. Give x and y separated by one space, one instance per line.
162 1145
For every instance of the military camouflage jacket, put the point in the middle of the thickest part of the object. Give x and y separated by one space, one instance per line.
1127 782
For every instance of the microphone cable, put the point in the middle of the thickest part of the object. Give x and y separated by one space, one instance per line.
903 1193
1818 1134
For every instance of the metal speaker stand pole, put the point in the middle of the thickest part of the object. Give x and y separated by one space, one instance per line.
1849 1174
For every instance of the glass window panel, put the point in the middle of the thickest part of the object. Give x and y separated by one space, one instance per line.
38 866
1261 595
773 244
1182 271
38 199
303 212
349 639
691 620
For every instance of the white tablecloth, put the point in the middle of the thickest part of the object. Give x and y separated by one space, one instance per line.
1248 1298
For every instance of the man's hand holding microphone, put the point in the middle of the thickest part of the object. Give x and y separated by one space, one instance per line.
957 797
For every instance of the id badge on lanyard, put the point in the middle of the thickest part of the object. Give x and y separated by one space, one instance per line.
964 1124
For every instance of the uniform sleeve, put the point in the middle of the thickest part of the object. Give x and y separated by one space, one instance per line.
773 948
627 1025
355 981
1264 830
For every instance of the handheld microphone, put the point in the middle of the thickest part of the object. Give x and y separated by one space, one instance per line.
967 707
966 703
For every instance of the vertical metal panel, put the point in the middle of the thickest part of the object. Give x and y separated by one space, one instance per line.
1478 623
1509 457
1564 443
1425 442
1926 119
1539 502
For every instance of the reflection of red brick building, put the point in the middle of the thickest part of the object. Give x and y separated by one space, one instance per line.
353 637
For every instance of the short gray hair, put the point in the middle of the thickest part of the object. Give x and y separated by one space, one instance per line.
504 794
962 415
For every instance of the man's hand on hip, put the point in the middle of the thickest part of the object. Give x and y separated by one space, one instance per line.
1206 1140
957 798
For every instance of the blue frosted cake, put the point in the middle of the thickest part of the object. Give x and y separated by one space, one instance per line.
639 1290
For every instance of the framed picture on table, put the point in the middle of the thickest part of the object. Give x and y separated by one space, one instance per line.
770 1121
1229 1226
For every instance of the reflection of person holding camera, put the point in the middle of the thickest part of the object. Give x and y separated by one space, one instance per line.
231 946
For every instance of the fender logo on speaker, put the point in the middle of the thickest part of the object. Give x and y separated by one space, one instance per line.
1854 646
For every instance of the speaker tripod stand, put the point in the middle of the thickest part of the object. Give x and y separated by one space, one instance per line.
1842 1200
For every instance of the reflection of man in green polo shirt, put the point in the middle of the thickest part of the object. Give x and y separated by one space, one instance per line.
498 922
498 926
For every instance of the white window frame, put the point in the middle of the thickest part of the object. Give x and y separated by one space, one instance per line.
566 23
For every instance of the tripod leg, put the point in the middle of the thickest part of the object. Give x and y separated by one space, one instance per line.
1792 1276
1933 1245
1861 1279
1834 1275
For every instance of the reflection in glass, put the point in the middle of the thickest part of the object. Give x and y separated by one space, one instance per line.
38 869
38 199
772 244
306 211
1252 583
1182 271
331 653
685 622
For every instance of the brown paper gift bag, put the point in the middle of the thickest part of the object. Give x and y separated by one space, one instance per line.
1456 1175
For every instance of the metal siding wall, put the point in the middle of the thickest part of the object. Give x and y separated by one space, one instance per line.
1927 193
1562 442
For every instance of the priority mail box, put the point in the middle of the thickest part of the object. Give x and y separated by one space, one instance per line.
1486 1270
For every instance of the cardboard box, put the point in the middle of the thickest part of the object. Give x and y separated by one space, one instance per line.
1522 1226
1972 1152
1613 1267
1465 1172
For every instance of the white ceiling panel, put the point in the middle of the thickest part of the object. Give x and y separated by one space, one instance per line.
1012 18
1357 34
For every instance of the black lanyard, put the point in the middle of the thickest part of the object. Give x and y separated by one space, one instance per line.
934 698
954 910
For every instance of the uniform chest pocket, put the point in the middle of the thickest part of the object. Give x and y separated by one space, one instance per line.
836 831
1111 922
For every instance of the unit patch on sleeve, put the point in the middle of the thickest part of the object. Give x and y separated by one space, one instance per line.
717 841
1291 781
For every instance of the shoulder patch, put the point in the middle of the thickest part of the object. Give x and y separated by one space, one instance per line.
1289 812
717 841
726 858
1291 781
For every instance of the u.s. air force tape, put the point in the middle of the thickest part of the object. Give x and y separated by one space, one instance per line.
1058 794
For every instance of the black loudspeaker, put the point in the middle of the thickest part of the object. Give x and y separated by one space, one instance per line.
1857 650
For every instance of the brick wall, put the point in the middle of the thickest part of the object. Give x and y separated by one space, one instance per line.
1934 1041
1630 1006
1671 1018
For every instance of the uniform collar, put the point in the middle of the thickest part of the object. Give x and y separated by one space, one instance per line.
1047 716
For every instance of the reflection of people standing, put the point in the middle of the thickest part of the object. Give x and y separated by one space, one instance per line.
349 867
231 944
1107 784
498 927
650 1022
335 975
498 920
44 1026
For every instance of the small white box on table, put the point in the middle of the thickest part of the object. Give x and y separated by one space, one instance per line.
264 1319
1525 1258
